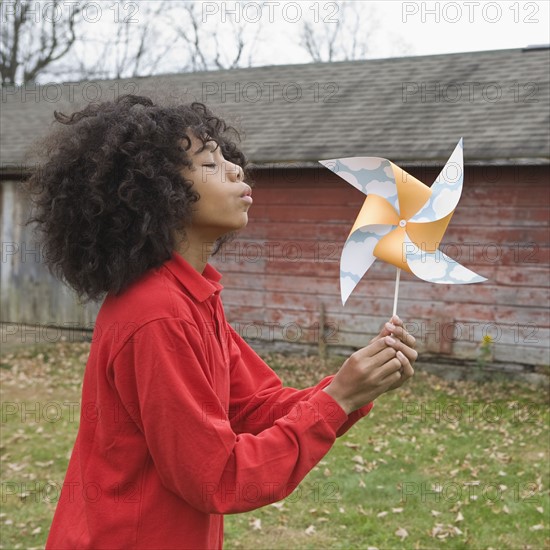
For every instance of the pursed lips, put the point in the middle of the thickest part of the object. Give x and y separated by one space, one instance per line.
247 195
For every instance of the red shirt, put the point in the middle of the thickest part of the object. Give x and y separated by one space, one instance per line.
182 422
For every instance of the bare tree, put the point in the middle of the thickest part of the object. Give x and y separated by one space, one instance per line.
202 45
343 39
34 36
59 39
130 48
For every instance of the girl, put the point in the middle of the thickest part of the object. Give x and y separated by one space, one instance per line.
181 422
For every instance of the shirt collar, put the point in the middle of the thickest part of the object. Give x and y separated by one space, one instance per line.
200 285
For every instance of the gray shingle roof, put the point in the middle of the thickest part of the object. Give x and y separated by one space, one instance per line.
406 109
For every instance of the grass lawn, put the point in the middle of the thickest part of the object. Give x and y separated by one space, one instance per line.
435 465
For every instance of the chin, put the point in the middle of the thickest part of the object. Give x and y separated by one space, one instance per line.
238 223
243 223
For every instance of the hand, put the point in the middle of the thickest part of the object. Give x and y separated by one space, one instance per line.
384 365
397 331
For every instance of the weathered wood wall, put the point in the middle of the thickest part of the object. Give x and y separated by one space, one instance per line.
281 275
33 301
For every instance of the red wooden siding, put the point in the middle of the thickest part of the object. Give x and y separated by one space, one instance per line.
283 269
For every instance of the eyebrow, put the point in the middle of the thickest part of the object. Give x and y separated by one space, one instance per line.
211 145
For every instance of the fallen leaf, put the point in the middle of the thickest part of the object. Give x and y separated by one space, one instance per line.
310 530
441 531
397 510
44 464
537 527
401 533
459 517
381 514
256 524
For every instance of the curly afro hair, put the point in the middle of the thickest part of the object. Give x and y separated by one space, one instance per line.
110 196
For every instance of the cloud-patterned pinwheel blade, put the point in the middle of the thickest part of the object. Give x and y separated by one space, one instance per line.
436 267
371 175
357 256
446 189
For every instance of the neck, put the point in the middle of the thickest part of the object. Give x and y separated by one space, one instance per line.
195 251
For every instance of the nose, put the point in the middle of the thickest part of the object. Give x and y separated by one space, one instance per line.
236 172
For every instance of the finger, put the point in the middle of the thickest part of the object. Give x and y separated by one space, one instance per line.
406 369
405 372
394 380
396 320
375 347
395 327
382 364
383 332
388 371
398 345
386 330
404 336
392 365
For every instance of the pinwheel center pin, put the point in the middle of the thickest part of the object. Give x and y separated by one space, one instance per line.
402 223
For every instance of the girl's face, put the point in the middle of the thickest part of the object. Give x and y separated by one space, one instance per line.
224 197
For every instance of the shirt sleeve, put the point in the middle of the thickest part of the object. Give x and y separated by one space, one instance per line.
163 379
258 396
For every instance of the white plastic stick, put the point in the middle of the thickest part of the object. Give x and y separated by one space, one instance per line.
396 294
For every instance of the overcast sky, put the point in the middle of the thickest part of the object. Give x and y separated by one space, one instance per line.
272 31
423 28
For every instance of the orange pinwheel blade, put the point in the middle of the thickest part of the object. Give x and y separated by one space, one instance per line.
427 236
375 211
390 249
412 194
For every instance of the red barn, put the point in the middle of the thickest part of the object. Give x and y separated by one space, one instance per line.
281 274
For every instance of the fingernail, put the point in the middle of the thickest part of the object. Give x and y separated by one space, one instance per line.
390 340
400 354
390 326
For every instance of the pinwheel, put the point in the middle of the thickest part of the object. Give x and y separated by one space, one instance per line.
402 221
